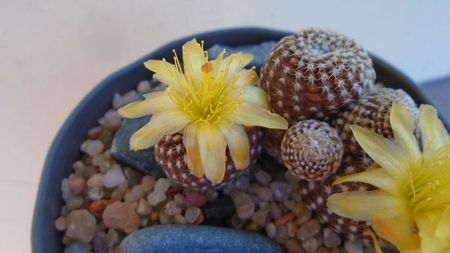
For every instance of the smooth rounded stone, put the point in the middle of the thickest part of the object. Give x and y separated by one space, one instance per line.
96 180
193 239
143 207
242 183
95 132
112 237
80 225
111 120
143 86
113 177
179 219
99 244
293 246
302 212
179 199
263 177
143 221
260 51
74 203
121 215
142 160
60 223
330 238
310 244
354 246
76 184
191 214
243 203
92 147
136 193
162 185
271 229
281 190
148 182
308 230
96 193
77 247
156 197
67 194
292 229
101 161
218 211
130 96
260 216
281 236
275 211
172 208
195 199
263 193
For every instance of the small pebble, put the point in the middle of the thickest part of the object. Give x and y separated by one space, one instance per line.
287 217
112 237
133 176
99 244
143 86
172 209
80 225
94 133
77 247
130 96
252 227
113 177
237 222
179 199
60 223
67 194
164 219
148 182
310 244
293 246
92 147
243 203
156 197
195 199
308 230
143 221
117 101
281 190
330 238
136 193
111 120
96 180
354 246
192 214
211 194
264 193
162 185
292 229
179 219
143 207
76 184
275 211
74 203
302 212
101 162
98 206
263 177
121 215
260 216
281 236
271 230
95 193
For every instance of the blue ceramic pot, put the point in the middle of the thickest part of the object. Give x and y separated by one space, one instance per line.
65 148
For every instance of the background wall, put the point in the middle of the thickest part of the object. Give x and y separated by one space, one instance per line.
53 52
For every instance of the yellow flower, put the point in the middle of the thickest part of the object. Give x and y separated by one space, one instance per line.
411 208
210 103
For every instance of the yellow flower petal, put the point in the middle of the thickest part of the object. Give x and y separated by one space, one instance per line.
376 177
398 230
443 227
256 96
434 134
247 77
160 124
164 71
154 102
238 144
193 60
251 115
193 159
403 126
232 65
385 152
212 147
364 205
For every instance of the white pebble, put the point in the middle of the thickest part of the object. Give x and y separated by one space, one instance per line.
162 185
95 193
143 86
192 214
113 177
60 224
117 101
111 120
354 246
92 147
96 180
143 207
156 197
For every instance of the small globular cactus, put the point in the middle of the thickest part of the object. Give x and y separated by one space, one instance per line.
315 73
311 150
371 112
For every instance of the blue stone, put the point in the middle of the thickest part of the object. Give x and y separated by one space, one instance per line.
195 238
260 51
142 160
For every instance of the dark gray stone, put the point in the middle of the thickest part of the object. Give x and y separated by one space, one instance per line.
195 238
260 51
218 211
142 160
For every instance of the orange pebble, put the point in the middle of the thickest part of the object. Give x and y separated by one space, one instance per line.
287 217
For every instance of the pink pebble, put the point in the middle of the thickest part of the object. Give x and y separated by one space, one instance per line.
76 184
195 199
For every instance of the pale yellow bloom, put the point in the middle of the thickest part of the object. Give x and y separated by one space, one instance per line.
210 103
411 208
